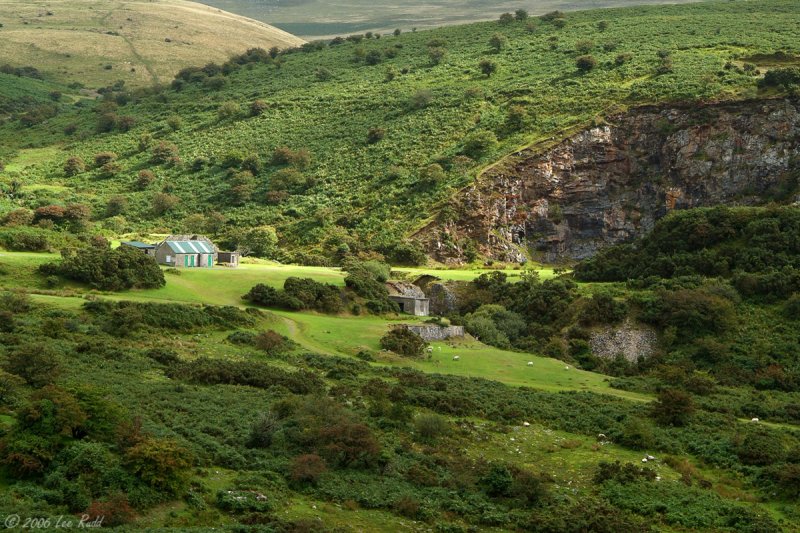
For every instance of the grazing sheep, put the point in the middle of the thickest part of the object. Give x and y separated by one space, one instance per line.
601 436
456 358
526 424
658 478
651 458
530 363
566 367
644 460
754 420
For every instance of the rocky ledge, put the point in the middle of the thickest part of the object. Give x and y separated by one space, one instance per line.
610 183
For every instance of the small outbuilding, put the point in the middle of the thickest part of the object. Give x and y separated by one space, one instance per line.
409 297
186 251
229 259
146 249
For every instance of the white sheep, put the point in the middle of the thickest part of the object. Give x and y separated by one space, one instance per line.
644 460
651 458
566 367
530 363
754 420
456 358
526 424
601 436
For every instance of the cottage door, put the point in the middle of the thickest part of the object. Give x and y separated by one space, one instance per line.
210 261
186 260
192 261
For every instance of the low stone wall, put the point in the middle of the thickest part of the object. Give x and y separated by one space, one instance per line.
432 332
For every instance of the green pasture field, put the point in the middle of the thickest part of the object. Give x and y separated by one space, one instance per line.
331 334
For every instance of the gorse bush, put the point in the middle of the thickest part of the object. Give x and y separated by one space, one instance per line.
106 269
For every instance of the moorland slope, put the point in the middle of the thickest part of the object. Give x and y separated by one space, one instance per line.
97 42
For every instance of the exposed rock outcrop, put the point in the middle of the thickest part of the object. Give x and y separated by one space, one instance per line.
610 183
631 341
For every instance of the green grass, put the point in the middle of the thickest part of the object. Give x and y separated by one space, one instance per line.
329 334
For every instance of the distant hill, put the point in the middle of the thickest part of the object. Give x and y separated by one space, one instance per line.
315 19
97 42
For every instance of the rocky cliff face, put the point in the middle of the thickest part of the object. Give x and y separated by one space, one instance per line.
610 183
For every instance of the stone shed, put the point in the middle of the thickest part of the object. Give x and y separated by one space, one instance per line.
409 297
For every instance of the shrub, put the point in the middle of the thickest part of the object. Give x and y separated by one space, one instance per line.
479 143
258 108
163 152
161 463
270 342
37 363
164 202
74 166
106 269
375 134
673 407
497 481
144 179
429 427
307 468
421 99
228 111
403 341
586 63
103 158
487 67
263 429
498 41
437 55
506 18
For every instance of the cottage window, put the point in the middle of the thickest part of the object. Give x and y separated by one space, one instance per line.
169 259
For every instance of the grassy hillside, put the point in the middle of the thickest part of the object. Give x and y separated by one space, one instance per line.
314 19
486 442
382 132
97 42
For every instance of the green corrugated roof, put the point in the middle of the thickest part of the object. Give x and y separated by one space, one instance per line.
190 247
138 244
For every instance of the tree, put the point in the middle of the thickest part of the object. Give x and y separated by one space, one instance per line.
585 63
175 122
397 32
74 166
104 158
521 14
506 18
498 41
487 67
673 407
